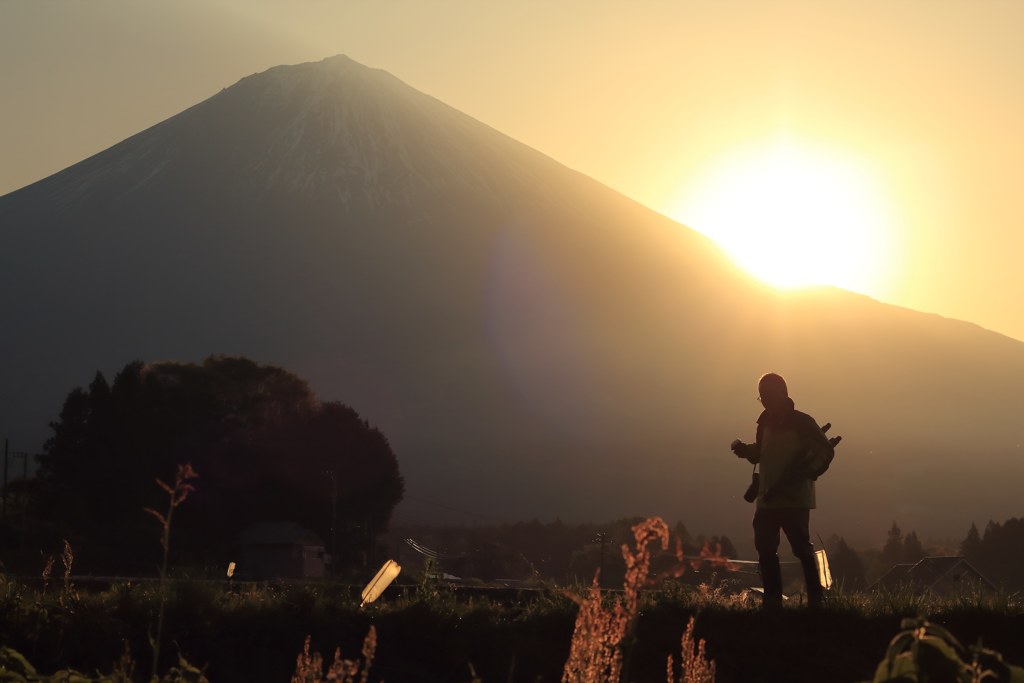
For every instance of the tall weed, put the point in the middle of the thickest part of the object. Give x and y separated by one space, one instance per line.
695 665
176 496
309 667
595 653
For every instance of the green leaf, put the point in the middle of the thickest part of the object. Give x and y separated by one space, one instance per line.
899 669
14 663
938 661
940 632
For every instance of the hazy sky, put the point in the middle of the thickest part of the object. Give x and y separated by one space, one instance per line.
913 109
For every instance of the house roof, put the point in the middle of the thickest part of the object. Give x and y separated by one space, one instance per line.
278 533
931 569
896 575
928 572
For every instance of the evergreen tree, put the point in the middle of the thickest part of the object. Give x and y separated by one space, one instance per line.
971 546
721 545
892 551
913 551
847 567
1001 553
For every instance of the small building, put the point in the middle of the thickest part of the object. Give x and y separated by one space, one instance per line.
280 550
939 576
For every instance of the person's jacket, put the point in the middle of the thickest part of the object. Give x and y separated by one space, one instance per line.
792 452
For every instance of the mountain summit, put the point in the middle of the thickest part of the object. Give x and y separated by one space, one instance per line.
332 133
533 343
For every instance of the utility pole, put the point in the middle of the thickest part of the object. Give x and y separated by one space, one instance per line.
334 520
3 512
602 537
24 477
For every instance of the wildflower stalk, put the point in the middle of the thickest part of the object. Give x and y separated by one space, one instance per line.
47 571
176 496
309 666
67 558
595 654
695 664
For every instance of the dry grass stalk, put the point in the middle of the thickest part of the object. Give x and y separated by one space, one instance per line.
176 496
124 667
696 667
595 654
309 666
67 557
47 571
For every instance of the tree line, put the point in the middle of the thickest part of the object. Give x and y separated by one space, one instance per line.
998 553
266 449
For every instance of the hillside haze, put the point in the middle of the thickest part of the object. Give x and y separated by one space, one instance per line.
532 343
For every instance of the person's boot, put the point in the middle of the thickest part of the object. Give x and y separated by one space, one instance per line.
771 579
815 593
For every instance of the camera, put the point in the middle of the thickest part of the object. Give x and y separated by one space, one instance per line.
750 495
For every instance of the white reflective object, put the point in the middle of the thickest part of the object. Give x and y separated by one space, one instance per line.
824 573
381 581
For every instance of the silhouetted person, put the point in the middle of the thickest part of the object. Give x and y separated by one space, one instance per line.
792 451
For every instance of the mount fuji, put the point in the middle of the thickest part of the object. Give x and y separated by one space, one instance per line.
533 343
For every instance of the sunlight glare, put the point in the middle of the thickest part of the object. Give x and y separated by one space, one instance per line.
796 215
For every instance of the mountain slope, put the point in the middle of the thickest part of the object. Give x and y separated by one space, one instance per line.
533 343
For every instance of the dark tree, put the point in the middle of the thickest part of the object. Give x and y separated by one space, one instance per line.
912 548
847 567
264 447
892 551
971 546
1001 552
722 545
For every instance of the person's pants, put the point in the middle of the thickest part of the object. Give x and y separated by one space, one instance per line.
795 522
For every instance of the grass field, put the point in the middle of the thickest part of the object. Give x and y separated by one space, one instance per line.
255 633
193 630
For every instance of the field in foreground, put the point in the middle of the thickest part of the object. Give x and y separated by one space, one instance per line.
445 635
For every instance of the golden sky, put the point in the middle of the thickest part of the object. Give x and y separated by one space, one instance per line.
908 112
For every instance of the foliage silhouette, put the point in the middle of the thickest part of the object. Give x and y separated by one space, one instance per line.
892 551
847 567
900 549
999 552
269 450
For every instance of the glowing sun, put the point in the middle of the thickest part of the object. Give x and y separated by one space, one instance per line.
795 215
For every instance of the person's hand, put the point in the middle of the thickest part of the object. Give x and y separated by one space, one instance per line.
737 447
